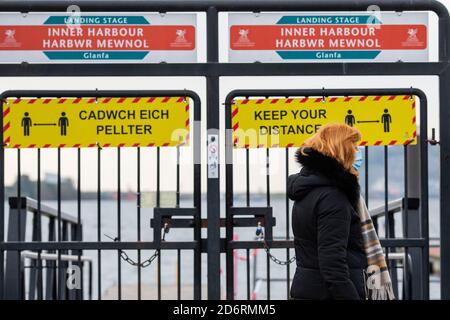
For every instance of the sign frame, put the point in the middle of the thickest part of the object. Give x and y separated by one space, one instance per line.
324 36
110 94
230 144
98 37
288 122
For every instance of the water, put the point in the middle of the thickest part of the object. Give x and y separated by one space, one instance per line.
109 271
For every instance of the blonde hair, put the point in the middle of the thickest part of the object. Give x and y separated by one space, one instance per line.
337 141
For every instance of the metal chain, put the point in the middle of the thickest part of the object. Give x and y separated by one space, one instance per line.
261 236
144 263
275 259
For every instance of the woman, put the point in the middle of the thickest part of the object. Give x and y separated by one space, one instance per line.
331 253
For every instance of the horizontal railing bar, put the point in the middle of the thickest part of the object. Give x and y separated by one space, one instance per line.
225 69
31 205
100 93
395 206
173 245
330 69
224 5
396 256
175 223
173 212
278 244
327 92
76 245
256 211
190 222
52 256
251 222
271 279
284 244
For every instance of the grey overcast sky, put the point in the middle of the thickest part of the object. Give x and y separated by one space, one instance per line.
429 84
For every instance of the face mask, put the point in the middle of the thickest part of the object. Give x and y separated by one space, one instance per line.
358 160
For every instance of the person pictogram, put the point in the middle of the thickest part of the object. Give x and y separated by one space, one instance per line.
26 124
63 123
350 118
386 120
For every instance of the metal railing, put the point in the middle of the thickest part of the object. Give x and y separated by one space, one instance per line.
56 266
407 210
37 259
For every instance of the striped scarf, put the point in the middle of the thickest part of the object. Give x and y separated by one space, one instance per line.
378 284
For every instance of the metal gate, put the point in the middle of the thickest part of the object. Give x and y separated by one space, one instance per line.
37 268
414 243
213 245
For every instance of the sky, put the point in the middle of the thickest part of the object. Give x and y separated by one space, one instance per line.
429 84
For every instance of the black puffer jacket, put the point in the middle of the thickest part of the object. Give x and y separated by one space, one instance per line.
327 231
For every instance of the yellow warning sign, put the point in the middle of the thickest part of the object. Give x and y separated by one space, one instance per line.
272 123
90 122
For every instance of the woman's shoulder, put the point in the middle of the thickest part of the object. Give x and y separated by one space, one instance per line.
334 202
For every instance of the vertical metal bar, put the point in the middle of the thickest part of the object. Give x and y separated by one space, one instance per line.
288 226
119 227
59 226
197 200
19 193
444 137
388 218
406 287
99 224
178 205
50 292
366 183
386 198
178 178
247 260
424 214
247 199
389 223
33 270
393 263
90 294
247 176
158 176
2 204
267 222
415 186
366 175
78 226
40 285
158 204
213 185
255 267
139 203
19 226
178 274
62 284
74 294
229 190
